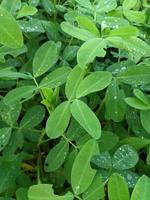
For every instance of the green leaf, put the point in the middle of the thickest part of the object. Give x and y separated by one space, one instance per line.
85 23
69 163
127 4
141 190
145 116
17 94
136 142
11 6
56 156
95 82
136 75
5 134
59 120
86 118
82 177
136 103
73 81
117 188
55 78
45 192
115 105
125 157
90 50
105 6
33 117
9 114
10 33
76 32
107 141
135 16
45 57
26 11
136 47
96 189
8 73
141 96
103 160
125 31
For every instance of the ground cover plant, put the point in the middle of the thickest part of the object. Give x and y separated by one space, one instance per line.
74 100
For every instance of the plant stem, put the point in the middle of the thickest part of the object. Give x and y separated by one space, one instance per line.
69 141
42 96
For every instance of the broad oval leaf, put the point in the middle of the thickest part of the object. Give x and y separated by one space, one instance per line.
56 78
125 157
59 120
136 103
33 117
76 32
141 190
5 134
45 57
17 94
117 188
10 33
95 82
45 192
136 75
73 81
56 156
90 50
82 174
86 118
141 96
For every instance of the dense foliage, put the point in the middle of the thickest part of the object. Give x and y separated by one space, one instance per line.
74 99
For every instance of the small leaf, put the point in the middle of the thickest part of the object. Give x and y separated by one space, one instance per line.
10 33
73 81
45 192
85 23
141 96
56 156
45 57
117 188
76 32
26 11
33 117
96 189
136 142
127 4
56 78
86 118
95 82
82 177
136 103
125 31
59 120
5 134
90 50
17 94
125 158
141 190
